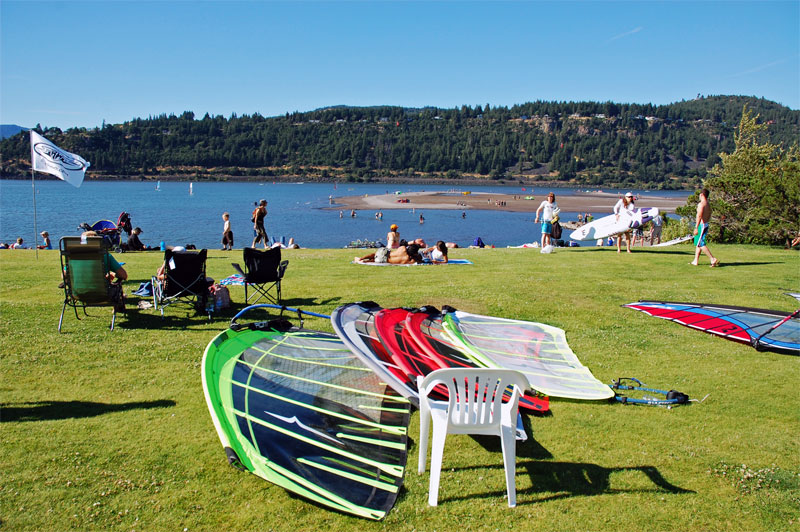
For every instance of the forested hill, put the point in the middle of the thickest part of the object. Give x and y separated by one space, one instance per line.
572 143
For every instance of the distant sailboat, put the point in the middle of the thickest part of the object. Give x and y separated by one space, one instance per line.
158 186
190 189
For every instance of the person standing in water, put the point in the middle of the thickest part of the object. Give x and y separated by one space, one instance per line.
701 230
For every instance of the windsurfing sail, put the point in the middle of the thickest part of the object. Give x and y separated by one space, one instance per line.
297 408
355 325
537 350
380 344
424 327
769 330
191 189
158 186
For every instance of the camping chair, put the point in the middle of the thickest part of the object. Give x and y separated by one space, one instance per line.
184 281
85 283
475 406
263 271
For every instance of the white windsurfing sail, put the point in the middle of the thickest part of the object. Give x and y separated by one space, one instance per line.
537 350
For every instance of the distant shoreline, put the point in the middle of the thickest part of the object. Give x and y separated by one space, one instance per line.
592 202
398 181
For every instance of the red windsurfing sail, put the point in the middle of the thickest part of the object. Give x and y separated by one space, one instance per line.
424 328
769 330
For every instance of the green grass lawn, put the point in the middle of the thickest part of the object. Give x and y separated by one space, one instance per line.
109 430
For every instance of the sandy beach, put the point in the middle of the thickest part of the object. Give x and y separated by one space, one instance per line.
592 202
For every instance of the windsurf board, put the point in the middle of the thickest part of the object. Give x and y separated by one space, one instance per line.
673 241
614 225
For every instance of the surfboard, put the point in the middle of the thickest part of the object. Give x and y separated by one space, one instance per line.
610 225
674 241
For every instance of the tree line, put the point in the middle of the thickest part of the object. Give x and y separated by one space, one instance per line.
571 143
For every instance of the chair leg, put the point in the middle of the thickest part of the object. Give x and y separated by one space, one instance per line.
437 452
61 319
424 430
113 317
509 443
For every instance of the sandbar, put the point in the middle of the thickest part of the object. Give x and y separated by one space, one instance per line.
591 202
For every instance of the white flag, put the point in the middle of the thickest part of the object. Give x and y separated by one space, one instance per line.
49 158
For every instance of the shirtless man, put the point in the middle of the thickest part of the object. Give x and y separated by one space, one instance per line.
701 230
260 234
403 255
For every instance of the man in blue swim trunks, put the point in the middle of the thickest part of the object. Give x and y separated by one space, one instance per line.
701 230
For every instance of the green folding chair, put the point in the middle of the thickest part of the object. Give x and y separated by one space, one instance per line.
84 265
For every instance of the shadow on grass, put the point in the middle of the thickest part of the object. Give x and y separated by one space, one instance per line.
51 410
588 479
529 449
183 316
561 480
174 318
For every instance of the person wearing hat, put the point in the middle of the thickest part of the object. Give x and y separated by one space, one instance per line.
46 238
625 203
260 234
393 237
134 244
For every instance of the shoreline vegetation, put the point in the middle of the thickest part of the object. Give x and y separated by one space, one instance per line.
399 180
581 144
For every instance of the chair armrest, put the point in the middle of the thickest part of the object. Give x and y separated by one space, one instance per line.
282 268
237 268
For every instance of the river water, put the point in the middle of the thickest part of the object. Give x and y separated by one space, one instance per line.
295 210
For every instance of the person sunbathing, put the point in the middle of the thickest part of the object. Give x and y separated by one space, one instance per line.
408 254
436 254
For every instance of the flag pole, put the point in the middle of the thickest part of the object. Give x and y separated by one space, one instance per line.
33 184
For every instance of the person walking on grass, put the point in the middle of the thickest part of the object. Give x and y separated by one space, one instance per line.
655 232
701 230
258 224
549 209
626 203
227 233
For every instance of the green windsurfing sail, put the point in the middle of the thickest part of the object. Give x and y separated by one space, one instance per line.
297 408
537 350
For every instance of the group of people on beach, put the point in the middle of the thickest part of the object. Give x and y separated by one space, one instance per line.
400 251
549 210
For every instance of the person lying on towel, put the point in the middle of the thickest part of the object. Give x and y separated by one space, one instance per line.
437 254
403 255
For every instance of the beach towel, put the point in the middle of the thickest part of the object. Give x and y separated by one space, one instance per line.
233 280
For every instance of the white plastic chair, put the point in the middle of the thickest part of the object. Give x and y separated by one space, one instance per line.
475 406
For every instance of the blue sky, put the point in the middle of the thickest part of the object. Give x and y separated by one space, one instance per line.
69 64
